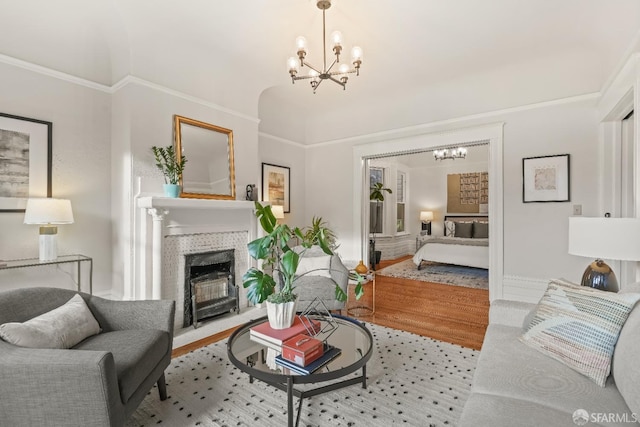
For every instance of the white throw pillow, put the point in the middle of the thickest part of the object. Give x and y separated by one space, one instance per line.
314 266
579 326
60 328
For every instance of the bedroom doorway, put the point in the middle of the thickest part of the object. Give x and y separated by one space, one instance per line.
490 136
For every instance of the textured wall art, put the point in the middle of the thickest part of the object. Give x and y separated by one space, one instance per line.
468 192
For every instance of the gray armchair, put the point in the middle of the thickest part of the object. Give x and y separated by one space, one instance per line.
99 382
310 286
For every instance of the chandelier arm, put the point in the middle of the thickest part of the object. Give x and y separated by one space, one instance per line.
337 81
306 64
324 42
328 70
335 73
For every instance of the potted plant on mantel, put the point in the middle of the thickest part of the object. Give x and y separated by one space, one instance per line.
279 265
167 162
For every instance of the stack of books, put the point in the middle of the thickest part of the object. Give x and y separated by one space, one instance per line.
327 355
274 338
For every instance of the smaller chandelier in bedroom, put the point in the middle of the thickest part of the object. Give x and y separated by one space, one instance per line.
455 153
318 75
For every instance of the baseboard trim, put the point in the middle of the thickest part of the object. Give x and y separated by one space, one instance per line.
526 289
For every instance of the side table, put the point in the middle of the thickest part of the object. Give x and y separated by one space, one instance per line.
65 259
366 305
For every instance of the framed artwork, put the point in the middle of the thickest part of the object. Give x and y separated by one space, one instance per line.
25 161
545 179
276 185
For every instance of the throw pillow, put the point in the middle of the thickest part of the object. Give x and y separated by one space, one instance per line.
60 328
314 266
480 230
579 326
449 228
463 229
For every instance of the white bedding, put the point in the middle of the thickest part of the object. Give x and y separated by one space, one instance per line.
452 250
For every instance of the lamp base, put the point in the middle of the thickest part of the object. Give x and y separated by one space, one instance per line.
48 245
427 227
599 275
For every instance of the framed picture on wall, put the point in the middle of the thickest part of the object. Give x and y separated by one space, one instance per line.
276 185
25 161
546 179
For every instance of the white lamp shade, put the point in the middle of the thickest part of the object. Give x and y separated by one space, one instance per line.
426 216
605 238
48 211
278 211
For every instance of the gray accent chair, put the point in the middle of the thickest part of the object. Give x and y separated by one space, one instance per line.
308 287
99 382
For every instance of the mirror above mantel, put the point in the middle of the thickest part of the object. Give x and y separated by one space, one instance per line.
209 172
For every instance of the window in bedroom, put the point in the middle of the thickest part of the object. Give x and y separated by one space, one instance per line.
400 201
376 209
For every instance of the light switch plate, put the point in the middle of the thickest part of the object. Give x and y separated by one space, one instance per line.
577 209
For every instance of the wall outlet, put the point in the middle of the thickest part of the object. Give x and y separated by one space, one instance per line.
577 209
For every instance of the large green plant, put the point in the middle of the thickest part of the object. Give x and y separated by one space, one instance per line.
168 163
318 232
280 261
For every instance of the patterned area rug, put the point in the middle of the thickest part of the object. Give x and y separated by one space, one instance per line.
434 272
412 381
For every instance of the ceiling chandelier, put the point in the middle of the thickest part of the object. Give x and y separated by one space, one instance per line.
455 153
317 76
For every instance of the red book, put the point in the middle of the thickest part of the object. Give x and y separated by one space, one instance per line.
278 336
302 349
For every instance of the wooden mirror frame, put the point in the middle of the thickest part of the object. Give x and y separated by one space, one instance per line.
191 159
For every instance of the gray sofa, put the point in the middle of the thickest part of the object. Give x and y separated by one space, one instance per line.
100 381
309 286
515 385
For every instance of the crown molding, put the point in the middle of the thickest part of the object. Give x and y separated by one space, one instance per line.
283 140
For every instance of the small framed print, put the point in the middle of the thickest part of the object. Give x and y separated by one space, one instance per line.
25 161
276 185
546 179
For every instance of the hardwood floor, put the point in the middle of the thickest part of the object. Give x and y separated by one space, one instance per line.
453 314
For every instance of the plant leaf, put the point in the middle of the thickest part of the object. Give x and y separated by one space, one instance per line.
340 294
259 284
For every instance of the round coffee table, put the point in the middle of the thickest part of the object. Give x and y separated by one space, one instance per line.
256 359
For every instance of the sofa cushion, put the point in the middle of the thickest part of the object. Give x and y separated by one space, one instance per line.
579 326
625 358
314 265
135 352
60 328
513 370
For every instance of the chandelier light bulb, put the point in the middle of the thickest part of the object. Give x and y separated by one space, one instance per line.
292 64
344 69
301 43
356 53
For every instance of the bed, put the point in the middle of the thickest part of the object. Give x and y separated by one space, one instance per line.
466 243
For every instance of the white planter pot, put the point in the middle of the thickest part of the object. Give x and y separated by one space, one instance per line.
281 316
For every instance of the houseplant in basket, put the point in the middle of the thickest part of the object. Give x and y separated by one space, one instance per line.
279 265
171 167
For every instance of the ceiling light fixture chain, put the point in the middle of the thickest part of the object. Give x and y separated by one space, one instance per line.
455 153
341 76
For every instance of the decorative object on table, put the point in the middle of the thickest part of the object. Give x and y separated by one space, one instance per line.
425 218
279 264
48 213
329 354
318 75
25 149
546 179
376 194
361 268
608 238
300 325
302 349
252 193
171 168
276 185
211 171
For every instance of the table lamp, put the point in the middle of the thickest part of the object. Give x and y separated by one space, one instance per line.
48 213
608 238
426 217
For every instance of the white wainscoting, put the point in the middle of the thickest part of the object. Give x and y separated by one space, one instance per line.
524 289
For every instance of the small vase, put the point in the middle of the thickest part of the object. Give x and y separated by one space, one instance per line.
361 268
171 190
281 315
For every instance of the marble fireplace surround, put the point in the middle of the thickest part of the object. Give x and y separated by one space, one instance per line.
172 228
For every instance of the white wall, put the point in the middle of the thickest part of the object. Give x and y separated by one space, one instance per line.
81 173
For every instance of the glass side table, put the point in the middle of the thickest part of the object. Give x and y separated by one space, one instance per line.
366 305
65 259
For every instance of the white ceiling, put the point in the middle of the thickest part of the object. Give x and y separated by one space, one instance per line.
233 52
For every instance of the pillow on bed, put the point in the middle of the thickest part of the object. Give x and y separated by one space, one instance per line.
449 228
463 229
480 230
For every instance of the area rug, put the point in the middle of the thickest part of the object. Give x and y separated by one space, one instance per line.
434 272
412 381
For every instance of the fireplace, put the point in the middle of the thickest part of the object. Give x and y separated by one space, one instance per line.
209 286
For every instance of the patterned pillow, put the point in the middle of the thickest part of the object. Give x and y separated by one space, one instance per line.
579 326
449 228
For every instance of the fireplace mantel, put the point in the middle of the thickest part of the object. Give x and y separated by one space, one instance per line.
155 202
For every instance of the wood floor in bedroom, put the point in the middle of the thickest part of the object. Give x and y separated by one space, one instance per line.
448 313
